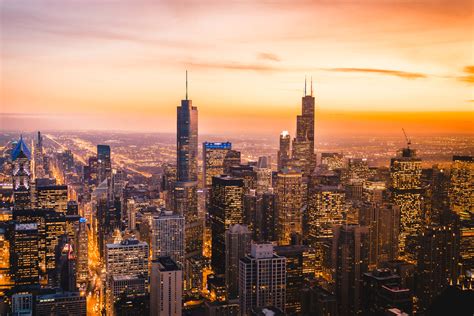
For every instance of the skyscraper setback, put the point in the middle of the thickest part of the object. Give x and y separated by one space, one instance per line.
303 156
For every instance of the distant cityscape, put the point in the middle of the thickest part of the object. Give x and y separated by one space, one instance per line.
104 223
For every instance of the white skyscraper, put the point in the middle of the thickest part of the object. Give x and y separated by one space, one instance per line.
168 236
166 288
262 279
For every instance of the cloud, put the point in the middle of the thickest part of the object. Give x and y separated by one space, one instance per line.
385 72
268 56
469 75
235 66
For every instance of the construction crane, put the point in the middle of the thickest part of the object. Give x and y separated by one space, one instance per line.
407 139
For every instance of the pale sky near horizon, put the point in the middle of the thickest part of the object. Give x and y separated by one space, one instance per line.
376 65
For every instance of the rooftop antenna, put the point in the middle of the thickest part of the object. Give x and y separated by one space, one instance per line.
406 138
304 85
186 84
311 85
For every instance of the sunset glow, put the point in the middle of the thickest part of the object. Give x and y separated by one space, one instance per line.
376 66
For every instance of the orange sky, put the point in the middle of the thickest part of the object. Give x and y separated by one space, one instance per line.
377 66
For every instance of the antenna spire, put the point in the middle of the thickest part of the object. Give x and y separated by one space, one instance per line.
186 84
304 85
311 85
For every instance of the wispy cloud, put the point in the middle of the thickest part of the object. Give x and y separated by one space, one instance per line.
468 75
385 72
268 56
235 66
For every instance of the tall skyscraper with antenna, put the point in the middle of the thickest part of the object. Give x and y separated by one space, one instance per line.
303 156
187 139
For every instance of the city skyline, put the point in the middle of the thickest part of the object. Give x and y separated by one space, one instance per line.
124 68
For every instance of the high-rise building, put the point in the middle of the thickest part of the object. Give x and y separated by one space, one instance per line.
225 210
168 236
237 246
24 261
437 264
300 262
383 220
289 192
128 257
104 163
303 156
264 175
461 197
166 288
187 139
213 156
60 303
382 290
262 279
268 218
232 158
82 252
38 158
21 175
53 197
351 249
284 153
407 194
326 208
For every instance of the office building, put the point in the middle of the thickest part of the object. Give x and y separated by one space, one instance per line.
60 303
284 153
262 279
225 210
213 156
24 261
168 236
237 245
104 163
166 288
461 199
300 266
128 257
351 250
53 197
405 186
289 195
21 175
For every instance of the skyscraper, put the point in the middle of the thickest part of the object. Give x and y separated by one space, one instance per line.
300 262
21 175
461 199
82 252
225 210
303 155
351 247
187 139
262 279
104 163
326 207
53 197
168 236
405 176
129 257
289 192
284 153
237 246
24 253
213 156
166 288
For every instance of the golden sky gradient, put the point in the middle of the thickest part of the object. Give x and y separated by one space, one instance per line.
377 66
